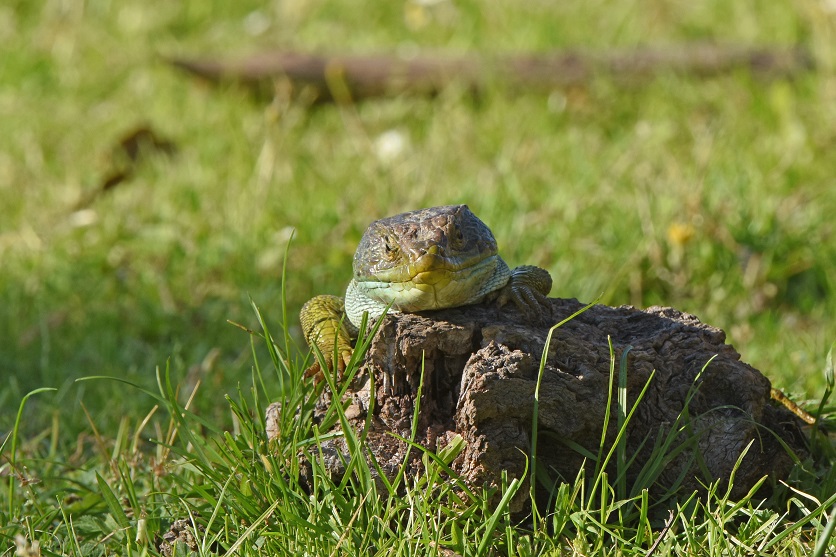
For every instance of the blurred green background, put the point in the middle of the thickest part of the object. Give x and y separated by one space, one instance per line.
713 195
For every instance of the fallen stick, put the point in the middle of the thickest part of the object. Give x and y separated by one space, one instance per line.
364 76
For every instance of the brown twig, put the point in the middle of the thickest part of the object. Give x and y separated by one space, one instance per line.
366 76
134 146
658 542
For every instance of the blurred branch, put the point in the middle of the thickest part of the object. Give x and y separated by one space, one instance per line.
383 74
133 147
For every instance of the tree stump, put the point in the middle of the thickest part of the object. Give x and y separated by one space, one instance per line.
480 368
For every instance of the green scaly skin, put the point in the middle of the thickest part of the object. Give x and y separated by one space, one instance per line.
441 257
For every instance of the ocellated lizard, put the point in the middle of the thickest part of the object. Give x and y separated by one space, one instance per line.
435 258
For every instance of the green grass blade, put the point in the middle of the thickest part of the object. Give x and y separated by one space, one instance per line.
826 536
493 520
14 438
115 508
621 451
535 414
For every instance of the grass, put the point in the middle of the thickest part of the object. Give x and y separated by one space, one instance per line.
237 494
714 196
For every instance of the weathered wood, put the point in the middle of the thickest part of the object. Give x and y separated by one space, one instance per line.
480 368
341 77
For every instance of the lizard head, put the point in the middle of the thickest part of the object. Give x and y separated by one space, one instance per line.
426 259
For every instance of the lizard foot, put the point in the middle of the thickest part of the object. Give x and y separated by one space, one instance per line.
528 288
315 369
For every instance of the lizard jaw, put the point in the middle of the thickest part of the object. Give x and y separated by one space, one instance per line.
429 285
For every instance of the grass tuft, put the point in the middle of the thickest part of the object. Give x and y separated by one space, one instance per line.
235 493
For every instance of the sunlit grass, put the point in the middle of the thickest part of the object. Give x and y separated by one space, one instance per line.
237 493
715 196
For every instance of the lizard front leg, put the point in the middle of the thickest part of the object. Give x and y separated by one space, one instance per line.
324 325
528 287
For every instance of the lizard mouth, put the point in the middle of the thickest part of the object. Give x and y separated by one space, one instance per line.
430 267
433 268
432 281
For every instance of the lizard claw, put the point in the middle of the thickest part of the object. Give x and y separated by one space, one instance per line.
528 288
315 369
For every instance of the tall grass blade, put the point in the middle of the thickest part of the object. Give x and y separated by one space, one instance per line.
535 414
621 458
826 536
493 520
13 453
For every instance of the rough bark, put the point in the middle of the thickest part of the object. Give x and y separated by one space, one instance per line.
353 77
480 368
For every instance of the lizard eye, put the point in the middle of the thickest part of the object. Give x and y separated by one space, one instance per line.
458 235
391 247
